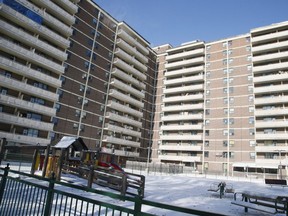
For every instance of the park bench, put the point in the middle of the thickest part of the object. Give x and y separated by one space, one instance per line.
280 182
271 204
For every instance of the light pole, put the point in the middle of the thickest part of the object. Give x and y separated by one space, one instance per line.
280 164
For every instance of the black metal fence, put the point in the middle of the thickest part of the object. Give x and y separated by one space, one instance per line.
26 194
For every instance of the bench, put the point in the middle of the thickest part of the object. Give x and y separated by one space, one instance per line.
281 182
271 204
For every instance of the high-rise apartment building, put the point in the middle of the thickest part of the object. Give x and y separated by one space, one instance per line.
68 68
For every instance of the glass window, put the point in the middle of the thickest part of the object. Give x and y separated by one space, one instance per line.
252 143
251 109
251 120
252 155
206 154
206 143
251 131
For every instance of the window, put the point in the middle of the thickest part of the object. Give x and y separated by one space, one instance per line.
231 143
250 88
86 64
208 56
252 143
207 133
57 107
208 47
251 109
251 120
250 77
249 58
225 154
207 122
4 91
225 80
34 116
206 143
249 67
206 154
207 92
248 48
231 132
252 155
208 73
250 98
231 90
248 39
207 111
208 83
251 132
208 101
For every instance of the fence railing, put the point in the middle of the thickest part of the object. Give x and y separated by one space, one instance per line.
26 194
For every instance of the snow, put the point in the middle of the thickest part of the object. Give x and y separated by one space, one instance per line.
191 191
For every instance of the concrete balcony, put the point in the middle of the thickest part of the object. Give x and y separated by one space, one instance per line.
183 80
185 71
126 67
181 89
199 106
124 76
126 153
267 47
181 127
272 136
56 11
182 117
127 88
274 149
126 98
22 104
122 142
180 147
131 50
180 158
68 5
32 41
198 60
271 89
25 122
271 162
126 37
29 55
124 109
271 78
270 67
17 138
34 27
28 89
269 124
122 130
271 100
23 70
269 57
270 36
183 98
130 59
271 112
123 119
180 137
48 19
185 54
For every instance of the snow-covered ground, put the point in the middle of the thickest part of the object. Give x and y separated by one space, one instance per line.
192 192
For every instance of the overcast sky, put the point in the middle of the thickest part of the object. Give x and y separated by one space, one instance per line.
179 21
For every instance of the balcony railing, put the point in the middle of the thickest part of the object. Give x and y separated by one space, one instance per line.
126 98
181 127
122 130
267 47
21 104
271 100
17 138
272 136
126 67
126 88
182 117
46 33
183 98
270 36
23 70
132 51
28 89
184 80
32 41
68 5
271 78
199 106
25 122
270 67
126 77
123 119
119 141
271 112
180 147
268 124
185 71
185 63
180 158
271 89
125 109
275 149
185 54
180 137
263 58
181 89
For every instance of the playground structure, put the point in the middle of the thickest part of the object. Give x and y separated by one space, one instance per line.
72 156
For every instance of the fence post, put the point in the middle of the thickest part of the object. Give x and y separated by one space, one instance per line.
124 184
138 205
49 200
3 181
2 148
90 176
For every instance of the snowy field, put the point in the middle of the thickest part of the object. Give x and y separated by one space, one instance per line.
192 192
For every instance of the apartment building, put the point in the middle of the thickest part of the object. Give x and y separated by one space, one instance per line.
68 68
88 75
34 38
224 104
